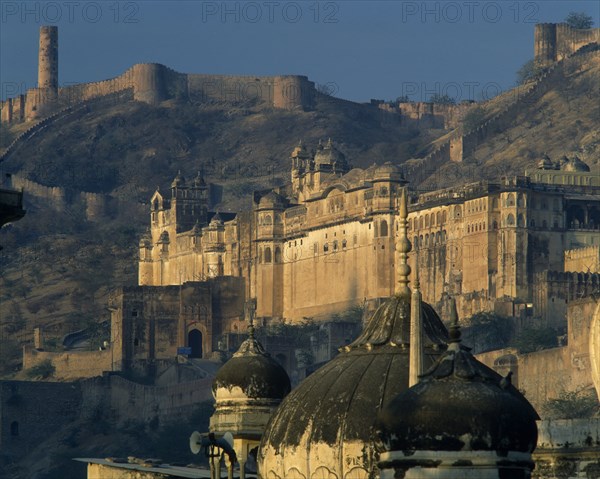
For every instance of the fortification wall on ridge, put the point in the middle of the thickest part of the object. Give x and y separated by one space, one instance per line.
555 41
70 365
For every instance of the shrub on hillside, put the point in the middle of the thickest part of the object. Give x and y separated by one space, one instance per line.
43 370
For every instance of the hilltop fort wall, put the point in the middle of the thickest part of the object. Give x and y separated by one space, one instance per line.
555 41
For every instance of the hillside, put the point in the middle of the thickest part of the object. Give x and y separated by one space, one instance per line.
58 267
561 116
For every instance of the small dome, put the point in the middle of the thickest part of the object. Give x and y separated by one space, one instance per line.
179 180
199 181
251 374
388 172
300 151
575 164
459 405
197 229
330 155
272 200
216 220
545 163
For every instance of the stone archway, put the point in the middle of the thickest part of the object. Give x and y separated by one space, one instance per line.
195 342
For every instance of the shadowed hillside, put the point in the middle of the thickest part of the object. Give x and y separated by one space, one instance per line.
57 266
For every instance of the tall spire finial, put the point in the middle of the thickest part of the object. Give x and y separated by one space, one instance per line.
415 367
404 247
454 332
250 309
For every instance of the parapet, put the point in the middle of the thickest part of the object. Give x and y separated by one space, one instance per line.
555 41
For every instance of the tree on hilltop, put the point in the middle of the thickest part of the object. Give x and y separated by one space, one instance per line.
442 99
528 72
579 20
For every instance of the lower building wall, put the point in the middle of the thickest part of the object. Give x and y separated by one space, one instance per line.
568 449
70 365
544 375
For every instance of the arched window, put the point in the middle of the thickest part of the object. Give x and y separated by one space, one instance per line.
383 228
510 200
426 241
457 211
438 238
335 245
344 244
421 223
495 225
268 256
325 248
520 221
444 216
468 228
438 218
268 220
510 220
532 223
277 255
520 200
426 221
416 241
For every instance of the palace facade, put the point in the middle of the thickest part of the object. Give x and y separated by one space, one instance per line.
327 240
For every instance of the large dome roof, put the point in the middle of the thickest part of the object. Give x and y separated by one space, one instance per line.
459 405
324 425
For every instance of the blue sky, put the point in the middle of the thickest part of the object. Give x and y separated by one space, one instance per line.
362 50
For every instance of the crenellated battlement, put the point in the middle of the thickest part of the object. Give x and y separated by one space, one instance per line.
555 41
151 83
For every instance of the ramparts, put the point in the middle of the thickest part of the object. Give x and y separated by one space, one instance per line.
427 114
555 41
153 83
70 365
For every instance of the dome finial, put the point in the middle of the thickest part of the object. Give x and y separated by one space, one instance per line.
404 247
415 366
250 310
454 326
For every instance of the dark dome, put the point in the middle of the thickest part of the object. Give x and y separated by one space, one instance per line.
252 373
575 164
459 404
335 407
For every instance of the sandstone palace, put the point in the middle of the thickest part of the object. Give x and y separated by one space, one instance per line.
327 240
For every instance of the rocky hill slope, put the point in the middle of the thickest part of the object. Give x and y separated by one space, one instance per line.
60 261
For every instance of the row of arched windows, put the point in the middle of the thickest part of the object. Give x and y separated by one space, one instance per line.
429 240
266 256
428 220
476 205
475 227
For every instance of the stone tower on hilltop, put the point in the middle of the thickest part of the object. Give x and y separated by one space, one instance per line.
48 59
